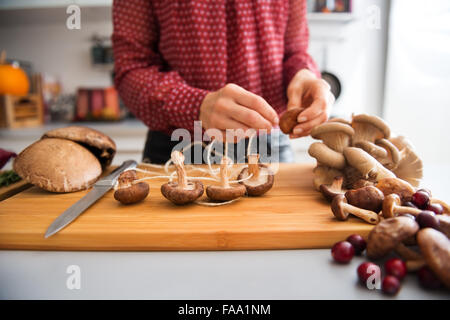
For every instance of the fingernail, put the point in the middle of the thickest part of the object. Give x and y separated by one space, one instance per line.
298 131
302 119
275 121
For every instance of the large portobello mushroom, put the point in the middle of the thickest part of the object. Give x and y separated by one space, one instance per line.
58 165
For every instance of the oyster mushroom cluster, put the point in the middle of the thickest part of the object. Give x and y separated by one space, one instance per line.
362 152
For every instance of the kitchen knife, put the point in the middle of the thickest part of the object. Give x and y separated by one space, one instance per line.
100 188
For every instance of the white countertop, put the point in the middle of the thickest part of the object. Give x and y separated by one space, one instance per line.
275 274
271 274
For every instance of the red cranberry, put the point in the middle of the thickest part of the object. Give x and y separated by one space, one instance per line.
427 191
390 285
343 252
427 219
436 208
395 267
358 243
428 279
420 199
365 270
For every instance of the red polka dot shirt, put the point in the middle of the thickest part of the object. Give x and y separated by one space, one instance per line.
170 53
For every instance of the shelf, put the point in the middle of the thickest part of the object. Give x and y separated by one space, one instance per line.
330 17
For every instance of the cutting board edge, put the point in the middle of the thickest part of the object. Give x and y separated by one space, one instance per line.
213 241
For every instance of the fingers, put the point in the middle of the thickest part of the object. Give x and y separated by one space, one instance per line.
250 118
322 101
304 129
252 101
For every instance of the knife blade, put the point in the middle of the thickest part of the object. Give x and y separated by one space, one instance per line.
99 189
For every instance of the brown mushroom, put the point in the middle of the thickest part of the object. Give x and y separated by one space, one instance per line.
369 128
95 141
324 175
329 191
410 167
262 177
326 156
289 120
367 165
444 224
341 210
183 191
392 206
58 165
129 192
335 135
398 186
393 156
372 149
435 247
361 183
225 192
369 198
388 235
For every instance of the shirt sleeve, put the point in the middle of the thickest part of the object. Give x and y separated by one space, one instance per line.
296 41
158 97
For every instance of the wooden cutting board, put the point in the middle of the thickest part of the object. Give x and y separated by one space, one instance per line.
291 215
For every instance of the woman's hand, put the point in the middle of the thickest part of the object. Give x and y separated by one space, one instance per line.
308 92
233 107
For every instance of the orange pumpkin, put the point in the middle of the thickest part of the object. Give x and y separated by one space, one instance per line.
13 80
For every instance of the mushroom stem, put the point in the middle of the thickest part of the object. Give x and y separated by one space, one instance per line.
407 253
368 216
178 160
401 209
224 172
414 265
253 166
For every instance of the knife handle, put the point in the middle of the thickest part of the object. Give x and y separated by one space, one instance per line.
110 179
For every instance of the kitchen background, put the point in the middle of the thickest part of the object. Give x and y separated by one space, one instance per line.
392 58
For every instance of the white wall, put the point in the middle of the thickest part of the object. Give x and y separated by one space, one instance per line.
41 37
418 79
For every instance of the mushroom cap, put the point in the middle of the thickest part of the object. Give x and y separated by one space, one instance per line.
132 194
58 165
386 235
340 120
393 154
337 206
368 198
329 191
372 149
332 127
367 165
327 156
435 248
288 120
398 186
102 146
324 175
257 187
374 121
390 202
180 196
410 167
335 135
218 193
